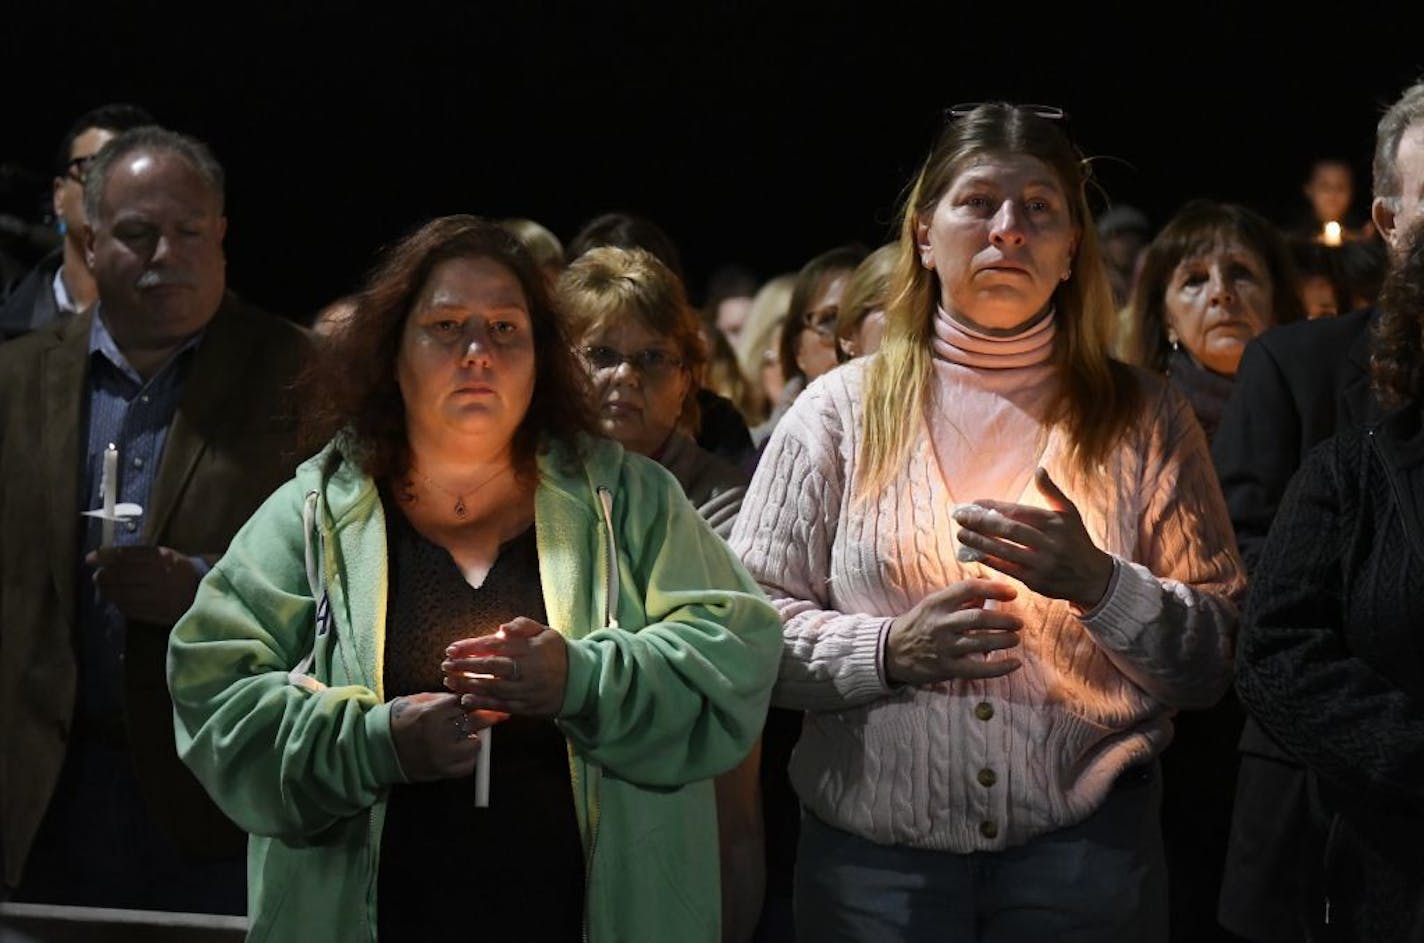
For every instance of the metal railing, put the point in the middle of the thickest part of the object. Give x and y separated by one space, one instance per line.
51 923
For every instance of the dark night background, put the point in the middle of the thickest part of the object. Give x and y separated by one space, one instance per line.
753 132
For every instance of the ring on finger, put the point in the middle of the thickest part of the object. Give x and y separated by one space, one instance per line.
517 673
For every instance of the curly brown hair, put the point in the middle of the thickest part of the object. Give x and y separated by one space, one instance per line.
351 388
1397 347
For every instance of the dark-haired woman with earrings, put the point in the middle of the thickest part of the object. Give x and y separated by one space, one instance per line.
1216 276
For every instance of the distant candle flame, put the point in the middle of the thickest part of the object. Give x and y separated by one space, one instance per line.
1331 236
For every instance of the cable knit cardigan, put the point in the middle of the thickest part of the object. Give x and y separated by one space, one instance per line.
979 765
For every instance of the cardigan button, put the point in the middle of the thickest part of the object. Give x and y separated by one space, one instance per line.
984 710
987 777
989 829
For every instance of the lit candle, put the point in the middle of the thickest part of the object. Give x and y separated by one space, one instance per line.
109 488
1331 236
482 769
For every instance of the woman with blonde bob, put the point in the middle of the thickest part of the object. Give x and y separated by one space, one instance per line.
642 345
979 754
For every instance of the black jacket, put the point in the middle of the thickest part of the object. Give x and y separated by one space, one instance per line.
723 431
1331 664
1296 384
31 305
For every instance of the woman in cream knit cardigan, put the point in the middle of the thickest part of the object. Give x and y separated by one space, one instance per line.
1002 562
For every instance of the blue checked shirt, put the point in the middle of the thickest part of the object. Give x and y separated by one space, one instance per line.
134 414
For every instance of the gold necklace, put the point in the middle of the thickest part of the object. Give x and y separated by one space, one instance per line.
460 510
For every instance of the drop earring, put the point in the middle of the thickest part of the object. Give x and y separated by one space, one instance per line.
61 227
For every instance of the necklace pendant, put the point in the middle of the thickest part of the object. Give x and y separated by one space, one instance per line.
460 508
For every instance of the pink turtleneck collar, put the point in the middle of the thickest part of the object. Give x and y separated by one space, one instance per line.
963 345
992 398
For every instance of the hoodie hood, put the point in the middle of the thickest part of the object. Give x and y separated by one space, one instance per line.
574 469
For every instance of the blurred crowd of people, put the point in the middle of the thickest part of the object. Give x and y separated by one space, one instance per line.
1031 576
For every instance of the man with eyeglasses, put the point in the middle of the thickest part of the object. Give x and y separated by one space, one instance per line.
61 284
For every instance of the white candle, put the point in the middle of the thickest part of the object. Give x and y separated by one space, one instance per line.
482 769
109 488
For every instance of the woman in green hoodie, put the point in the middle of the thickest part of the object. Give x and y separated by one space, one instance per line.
462 554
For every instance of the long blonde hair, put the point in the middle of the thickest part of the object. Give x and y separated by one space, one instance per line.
1098 397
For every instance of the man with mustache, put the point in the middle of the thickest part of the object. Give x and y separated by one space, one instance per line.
190 389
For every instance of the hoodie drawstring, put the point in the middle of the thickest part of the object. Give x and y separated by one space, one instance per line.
314 553
610 543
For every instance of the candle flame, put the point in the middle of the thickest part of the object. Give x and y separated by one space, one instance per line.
1331 236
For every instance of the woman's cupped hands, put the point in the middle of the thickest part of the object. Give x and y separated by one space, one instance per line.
1048 549
949 634
522 668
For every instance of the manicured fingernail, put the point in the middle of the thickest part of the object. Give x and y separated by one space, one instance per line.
969 554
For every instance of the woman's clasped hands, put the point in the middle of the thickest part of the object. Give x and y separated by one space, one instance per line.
521 669
952 634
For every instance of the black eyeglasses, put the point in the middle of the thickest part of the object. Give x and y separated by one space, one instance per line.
652 363
1047 112
78 168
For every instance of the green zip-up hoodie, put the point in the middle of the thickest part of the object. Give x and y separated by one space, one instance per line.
276 680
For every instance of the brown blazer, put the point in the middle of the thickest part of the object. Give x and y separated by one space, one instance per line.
231 443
